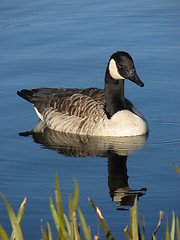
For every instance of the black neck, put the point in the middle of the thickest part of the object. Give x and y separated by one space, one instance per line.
114 95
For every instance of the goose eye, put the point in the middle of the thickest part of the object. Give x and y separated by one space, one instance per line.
120 65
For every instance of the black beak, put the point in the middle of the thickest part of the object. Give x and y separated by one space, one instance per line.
134 78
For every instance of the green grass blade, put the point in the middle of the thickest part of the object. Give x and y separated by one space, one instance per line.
177 169
71 216
134 221
13 219
54 214
167 230
86 231
76 231
62 229
68 226
102 221
70 208
76 196
172 233
153 237
143 229
49 232
21 211
58 200
19 216
127 233
72 212
74 220
3 234
58 217
72 230
177 229
43 232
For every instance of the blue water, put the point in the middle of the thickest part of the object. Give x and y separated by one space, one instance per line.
67 44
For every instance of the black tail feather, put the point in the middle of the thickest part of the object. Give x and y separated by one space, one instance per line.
26 94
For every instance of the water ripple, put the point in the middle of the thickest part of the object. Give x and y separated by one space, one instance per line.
164 133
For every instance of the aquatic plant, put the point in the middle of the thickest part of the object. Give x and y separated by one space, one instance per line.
69 229
134 231
15 221
66 228
176 167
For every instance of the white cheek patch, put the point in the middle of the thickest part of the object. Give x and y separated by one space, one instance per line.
114 71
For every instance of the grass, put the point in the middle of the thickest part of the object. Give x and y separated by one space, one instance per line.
68 228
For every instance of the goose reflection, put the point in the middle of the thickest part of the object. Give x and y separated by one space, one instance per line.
116 149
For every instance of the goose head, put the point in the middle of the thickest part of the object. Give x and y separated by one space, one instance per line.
121 66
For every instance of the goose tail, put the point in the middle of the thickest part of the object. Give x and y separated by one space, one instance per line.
26 94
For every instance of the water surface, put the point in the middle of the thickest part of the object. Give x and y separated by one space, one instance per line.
67 44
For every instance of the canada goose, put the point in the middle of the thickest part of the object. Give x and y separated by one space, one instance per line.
92 111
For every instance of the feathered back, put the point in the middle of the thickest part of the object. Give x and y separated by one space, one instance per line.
70 110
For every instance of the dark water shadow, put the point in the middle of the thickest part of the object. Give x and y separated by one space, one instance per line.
115 149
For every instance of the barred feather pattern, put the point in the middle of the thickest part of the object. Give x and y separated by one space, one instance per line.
77 114
69 110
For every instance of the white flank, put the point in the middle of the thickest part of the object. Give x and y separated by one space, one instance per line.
113 70
123 123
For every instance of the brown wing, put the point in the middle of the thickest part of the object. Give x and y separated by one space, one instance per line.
78 102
